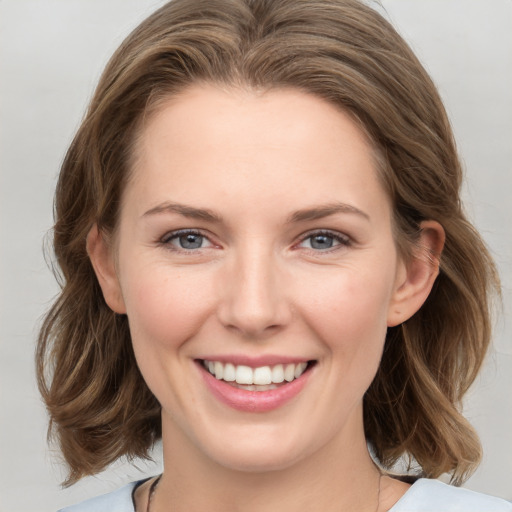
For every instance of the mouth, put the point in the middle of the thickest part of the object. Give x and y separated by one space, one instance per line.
255 389
261 378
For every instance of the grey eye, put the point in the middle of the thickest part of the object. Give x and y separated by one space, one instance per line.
321 241
190 241
186 240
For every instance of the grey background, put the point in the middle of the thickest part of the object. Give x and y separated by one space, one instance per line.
51 55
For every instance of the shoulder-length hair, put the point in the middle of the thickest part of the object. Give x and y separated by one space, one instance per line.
349 55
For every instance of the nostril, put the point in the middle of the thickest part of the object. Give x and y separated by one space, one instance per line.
253 328
253 306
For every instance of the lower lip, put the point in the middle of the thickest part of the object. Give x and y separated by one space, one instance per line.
253 401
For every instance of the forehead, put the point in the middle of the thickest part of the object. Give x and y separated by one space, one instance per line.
227 107
256 146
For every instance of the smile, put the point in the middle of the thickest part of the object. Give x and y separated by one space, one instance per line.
255 389
261 378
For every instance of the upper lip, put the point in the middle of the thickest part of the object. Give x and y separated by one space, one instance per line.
254 361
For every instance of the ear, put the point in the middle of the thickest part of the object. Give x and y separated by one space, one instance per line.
416 277
102 258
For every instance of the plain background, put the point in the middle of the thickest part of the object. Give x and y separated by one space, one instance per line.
51 55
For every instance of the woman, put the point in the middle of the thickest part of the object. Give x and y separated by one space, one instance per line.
265 264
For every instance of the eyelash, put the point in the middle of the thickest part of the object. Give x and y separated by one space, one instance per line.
343 240
174 235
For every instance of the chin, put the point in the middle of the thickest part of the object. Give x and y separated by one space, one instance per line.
256 460
258 449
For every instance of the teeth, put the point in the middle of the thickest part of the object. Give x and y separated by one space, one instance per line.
219 370
254 387
262 375
250 377
289 372
229 372
244 375
299 369
278 374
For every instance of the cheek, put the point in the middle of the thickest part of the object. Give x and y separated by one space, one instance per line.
349 311
166 307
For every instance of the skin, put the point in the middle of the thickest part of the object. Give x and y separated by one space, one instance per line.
258 286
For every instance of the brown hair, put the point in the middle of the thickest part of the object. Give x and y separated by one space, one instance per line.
346 53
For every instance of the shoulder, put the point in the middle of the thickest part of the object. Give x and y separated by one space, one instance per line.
427 495
116 501
424 496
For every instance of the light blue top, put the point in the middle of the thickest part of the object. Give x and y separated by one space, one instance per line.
423 496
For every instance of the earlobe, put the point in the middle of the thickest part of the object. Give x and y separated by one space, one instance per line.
417 277
102 259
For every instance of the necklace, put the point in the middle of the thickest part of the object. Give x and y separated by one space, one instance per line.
378 492
152 490
154 485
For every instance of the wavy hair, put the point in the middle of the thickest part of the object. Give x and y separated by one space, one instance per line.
346 53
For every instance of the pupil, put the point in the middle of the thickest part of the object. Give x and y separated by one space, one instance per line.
321 242
191 241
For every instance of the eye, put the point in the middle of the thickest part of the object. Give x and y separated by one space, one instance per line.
186 240
324 240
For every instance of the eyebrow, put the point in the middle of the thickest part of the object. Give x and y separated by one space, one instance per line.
321 211
307 214
186 211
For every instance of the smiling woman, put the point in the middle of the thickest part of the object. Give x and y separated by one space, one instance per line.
266 264
287 288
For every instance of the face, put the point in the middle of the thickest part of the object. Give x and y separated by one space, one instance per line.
256 264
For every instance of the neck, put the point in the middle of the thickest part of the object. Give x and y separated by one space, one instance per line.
338 476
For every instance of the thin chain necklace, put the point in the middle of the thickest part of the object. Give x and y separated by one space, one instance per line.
152 490
154 485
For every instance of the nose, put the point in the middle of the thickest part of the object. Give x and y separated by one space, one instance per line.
253 299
